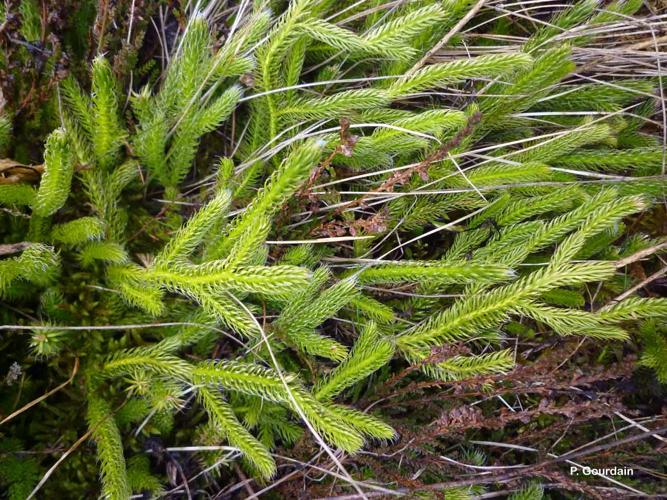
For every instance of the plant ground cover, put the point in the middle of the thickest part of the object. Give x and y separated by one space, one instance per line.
309 249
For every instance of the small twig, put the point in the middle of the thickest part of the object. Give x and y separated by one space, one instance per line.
646 252
639 426
445 40
646 43
71 450
186 487
345 147
129 29
402 176
101 23
318 240
603 447
53 468
514 474
10 248
244 480
638 286
32 403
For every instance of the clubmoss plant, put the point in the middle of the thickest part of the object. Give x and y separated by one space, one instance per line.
299 206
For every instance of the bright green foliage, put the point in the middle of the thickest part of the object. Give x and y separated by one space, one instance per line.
37 264
192 234
106 133
373 309
103 251
336 105
140 478
654 355
612 160
400 136
253 380
635 308
78 231
435 272
58 170
465 493
188 104
30 27
271 421
394 36
532 491
308 308
527 87
5 132
567 18
370 353
364 423
17 194
95 121
243 246
597 96
48 342
277 190
228 427
109 447
436 75
18 474
476 313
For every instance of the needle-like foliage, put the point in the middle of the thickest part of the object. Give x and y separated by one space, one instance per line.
245 225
